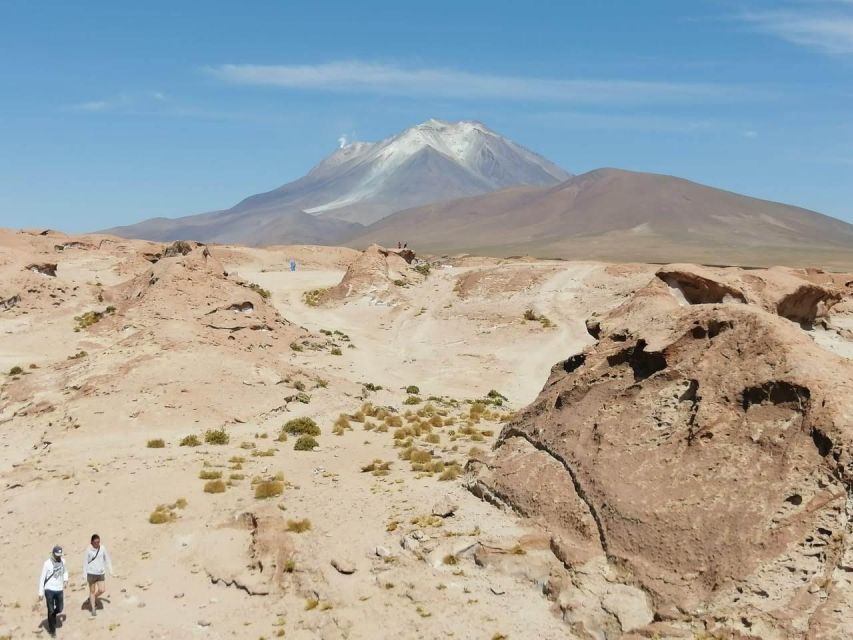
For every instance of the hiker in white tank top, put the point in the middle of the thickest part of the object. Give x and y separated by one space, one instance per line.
96 564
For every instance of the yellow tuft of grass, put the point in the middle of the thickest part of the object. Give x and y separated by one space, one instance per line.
216 436
156 443
268 489
191 440
299 526
204 474
214 486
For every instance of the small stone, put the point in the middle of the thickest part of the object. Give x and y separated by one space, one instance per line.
179 595
343 566
444 509
204 623
382 552
410 544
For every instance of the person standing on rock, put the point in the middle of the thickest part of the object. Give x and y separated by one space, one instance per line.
52 581
96 563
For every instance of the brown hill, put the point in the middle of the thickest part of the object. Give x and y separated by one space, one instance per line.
617 215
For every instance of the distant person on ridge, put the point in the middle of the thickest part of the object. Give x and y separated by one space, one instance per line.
52 581
96 563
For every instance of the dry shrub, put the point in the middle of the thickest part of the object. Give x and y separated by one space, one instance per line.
299 526
214 486
268 489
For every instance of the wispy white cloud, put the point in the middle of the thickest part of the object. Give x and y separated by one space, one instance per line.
122 102
387 79
825 26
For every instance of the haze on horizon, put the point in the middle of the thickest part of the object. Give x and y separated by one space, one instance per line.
115 114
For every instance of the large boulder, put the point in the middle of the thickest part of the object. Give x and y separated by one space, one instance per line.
699 455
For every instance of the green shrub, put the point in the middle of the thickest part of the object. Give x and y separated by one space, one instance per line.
300 426
305 443
259 290
413 389
191 440
423 269
157 443
412 400
15 371
312 298
336 351
216 436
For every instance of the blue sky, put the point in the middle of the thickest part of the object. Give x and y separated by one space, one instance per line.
112 112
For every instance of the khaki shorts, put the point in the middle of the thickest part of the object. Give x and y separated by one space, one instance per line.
92 578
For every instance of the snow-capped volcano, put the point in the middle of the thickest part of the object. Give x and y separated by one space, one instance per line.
363 182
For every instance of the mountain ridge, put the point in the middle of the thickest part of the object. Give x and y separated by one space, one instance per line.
362 182
618 215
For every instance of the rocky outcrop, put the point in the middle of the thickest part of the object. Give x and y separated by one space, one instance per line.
377 273
790 294
699 458
44 268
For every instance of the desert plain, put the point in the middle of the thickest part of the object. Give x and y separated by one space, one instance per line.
508 448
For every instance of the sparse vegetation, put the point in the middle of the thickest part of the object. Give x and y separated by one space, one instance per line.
413 389
268 489
377 468
164 513
214 486
313 297
423 269
450 473
369 386
336 351
305 443
301 426
299 526
341 424
191 440
89 318
450 559
530 314
412 400
15 371
76 356
206 474
157 443
259 290
216 436
400 283
295 346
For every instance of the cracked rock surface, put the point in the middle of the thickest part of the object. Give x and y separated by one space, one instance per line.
693 467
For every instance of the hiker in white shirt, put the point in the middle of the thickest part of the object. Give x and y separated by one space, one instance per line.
52 581
96 563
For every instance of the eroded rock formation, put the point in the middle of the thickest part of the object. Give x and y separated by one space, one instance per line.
694 468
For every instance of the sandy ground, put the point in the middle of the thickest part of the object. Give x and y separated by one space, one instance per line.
74 460
81 464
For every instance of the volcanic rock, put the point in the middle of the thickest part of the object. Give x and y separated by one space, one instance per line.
700 456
